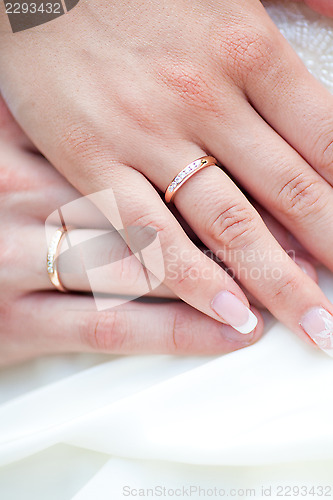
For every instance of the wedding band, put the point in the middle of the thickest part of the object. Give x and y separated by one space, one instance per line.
186 173
52 257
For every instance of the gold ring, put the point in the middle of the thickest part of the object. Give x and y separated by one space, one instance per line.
186 173
52 257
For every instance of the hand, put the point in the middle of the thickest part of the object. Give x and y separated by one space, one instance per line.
36 320
118 93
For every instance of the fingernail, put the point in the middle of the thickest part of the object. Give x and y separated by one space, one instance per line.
294 243
234 312
318 324
300 264
307 268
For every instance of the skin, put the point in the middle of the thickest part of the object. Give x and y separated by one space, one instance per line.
37 320
124 98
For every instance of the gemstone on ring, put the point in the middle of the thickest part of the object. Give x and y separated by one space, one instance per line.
52 257
186 173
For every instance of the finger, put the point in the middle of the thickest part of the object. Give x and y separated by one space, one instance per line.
286 239
231 228
294 103
100 261
305 266
106 260
279 179
289 243
195 278
61 324
124 278
173 259
31 188
11 132
90 260
294 249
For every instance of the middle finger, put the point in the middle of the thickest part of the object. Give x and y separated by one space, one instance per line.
228 224
278 178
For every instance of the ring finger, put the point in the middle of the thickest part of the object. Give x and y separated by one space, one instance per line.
229 225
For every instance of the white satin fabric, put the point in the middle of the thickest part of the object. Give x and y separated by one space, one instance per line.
83 427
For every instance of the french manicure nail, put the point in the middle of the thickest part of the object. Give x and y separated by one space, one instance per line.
318 324
234 312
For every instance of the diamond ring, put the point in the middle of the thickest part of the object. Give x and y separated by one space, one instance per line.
186 173
52 257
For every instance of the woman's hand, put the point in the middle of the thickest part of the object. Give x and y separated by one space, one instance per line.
35 319
117 94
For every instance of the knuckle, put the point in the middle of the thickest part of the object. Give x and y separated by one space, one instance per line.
299 196
189 83
79 142
186 281
248 49
234 227
325 153
149 219
122 255
131 272
283 289
148 227
148 237
105 331
182 336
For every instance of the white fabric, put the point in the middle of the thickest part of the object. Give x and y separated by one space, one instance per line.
82 427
